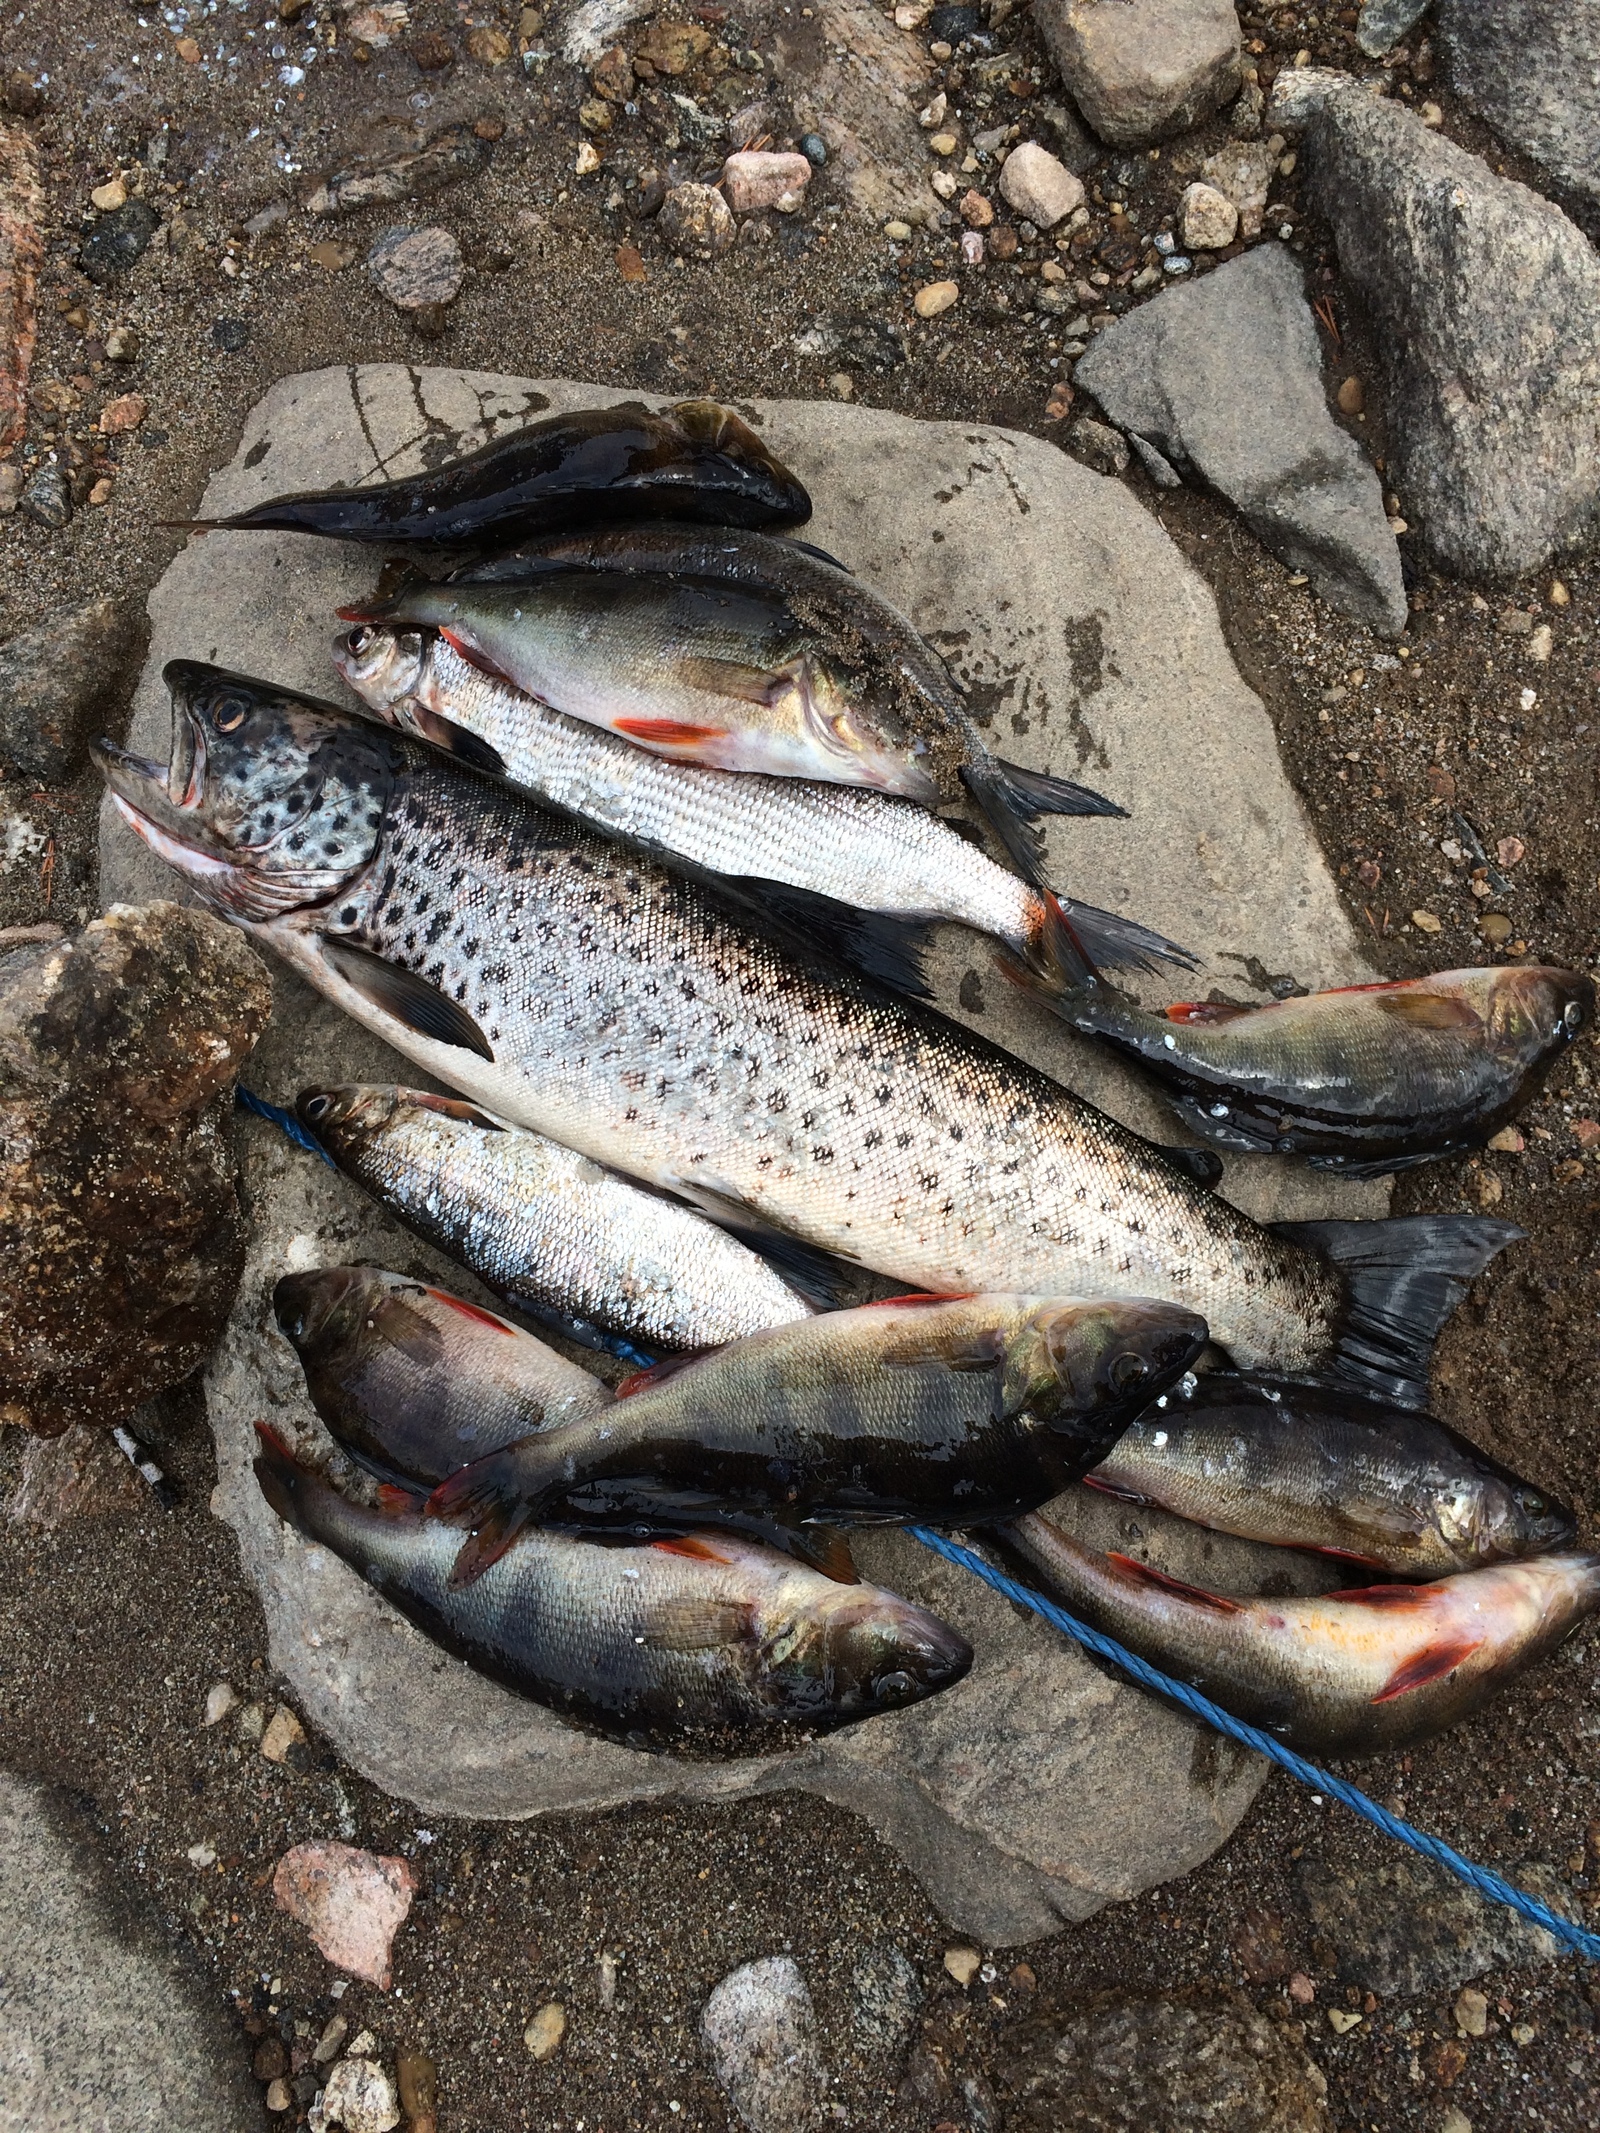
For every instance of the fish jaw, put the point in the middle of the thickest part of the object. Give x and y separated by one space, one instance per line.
868 1651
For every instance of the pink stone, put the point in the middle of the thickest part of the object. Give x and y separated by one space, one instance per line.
351 1902
759 177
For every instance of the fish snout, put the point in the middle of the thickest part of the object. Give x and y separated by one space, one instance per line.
1117 1357
303 1303
327 1109
884 1653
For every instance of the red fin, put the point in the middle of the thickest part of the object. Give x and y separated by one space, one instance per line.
919 1296
396 1502
668 732
1143 1574
1427 1665
1205 1011
472 1311
659 1373
475 658
359 614
275 1443
453 1107
697 1545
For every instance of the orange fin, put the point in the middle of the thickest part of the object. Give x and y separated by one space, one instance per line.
1144 1574
275 1443
827 1548
476 658
1205 1011
396 1502
1397 1598
658 1373
453 1107
668 732
1429 1010
700 1546
1441 1657
473 1311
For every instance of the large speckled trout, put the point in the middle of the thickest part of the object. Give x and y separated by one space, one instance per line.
653 1023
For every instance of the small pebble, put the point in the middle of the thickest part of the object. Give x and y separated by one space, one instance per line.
963 1964
931 115
1301 1989
842 385
327 2045
1559 595
119 416
123 344
976 211
897 232
360 2096
1341 2020
280 2097
544 2033
1426 922
282 1734
1210 219
944 184
1352 396
587 160
112 194
943 144
1039 185
413 268
696 219
252 1721
935 297
1541 643
201 1856
1495 927
972 247
815 149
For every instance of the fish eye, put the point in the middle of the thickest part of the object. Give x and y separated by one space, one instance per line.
1572 1014
894 1688
1128 1370
359 639
317 1107
296 1326
228 713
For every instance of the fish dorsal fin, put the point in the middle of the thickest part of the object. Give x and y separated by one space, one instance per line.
1441 1657
662 1373
475 1312
1138 1573
697 1623
1205 1011
405 997
454 1107
1429 1010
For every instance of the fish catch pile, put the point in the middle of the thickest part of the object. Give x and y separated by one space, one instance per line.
632 839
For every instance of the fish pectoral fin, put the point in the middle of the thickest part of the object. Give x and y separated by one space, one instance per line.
490 1320
1037 792
467 747
409 999
402 1327
745 684
825 1280
667 732
454 1107
476 656
1441 1657
694 1624
495 1499
1205 1012
1428 1010
1138 1573
826 1548
655 1374
395 1500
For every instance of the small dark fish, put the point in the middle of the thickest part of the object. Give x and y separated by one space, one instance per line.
1347 1673
953 1409
739 652
1302 1466
694 461
414 1383
707 1642
1367 1079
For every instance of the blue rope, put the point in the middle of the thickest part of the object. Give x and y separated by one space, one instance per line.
1481 1878
285 1121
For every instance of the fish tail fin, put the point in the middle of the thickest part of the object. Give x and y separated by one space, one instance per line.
1070 943
495 1496
1403 1278
281 1476
193 525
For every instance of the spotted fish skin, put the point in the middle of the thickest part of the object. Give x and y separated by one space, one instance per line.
546 1227
595 995
1349 1673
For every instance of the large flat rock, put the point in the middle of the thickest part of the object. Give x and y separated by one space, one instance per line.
1038 1789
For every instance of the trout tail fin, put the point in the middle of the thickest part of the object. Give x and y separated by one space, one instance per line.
1403 1278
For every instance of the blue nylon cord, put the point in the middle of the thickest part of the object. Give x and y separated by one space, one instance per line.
1483 1879
285 1121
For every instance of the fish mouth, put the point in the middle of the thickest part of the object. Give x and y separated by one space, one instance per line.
141 795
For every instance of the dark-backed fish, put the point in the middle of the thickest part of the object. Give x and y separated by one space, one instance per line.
414 1382
872 858
1349 1673
557 1234
693 461
1367 1079
659 1027
705 1642
803 672
955 1410
1307 1466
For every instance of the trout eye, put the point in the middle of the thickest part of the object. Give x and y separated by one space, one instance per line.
359 639
1127 1371
229 714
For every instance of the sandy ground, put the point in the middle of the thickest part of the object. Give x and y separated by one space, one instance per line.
116 1628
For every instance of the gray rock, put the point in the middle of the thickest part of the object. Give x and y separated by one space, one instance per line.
117 240
414 268
761 2030
1485 303
1407 1930
696 219
1224 377
47 500
596 26
857 82
1532 69
1243 171
1095 444
1167 2063
1038 1789
1067 135
57 685
886 1996
425 166
1141 70
102 2025
1383 23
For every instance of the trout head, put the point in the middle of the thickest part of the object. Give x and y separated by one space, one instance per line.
269 803
1086 1369
345 1117
860 1650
